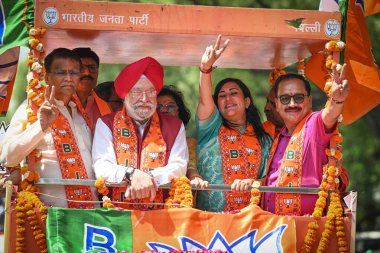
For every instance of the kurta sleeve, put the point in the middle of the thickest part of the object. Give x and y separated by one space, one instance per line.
18 143
177 162
104 160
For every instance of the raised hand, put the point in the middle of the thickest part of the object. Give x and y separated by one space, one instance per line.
212 53
340 87
48 111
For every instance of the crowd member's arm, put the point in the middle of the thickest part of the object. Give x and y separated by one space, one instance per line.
18 143
192 170
339 93
206 102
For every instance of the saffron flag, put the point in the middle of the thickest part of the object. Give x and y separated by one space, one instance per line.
371 7
362 71
183 229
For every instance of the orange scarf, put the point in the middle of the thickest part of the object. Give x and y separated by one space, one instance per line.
103 106
151 154
291 172
70 159
241 159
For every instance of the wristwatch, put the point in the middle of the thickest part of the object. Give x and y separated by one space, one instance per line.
128 173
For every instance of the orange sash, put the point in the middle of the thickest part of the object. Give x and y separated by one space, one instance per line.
103 106
70 160
291 173
152 154
241 159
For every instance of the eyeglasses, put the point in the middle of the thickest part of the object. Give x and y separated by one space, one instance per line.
60 73
169 108
91 68
139 94
298 98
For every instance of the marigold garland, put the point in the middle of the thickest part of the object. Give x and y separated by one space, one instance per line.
330 181
100 184
274 74
27 203
255 193
180 193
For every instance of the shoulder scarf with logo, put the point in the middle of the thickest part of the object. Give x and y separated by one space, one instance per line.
70 159
151 154
291 173
241 159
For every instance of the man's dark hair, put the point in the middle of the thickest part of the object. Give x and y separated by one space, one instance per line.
59 53
291 76
104 90
252 114
183 112
86 52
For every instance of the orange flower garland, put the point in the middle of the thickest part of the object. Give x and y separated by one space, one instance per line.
180 193
274 74
330 182
27 202
100 184
255 194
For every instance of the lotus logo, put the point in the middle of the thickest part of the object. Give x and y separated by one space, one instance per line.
249 150
124 146
238 200
78 192
236 167
153 155
270 242
232 138
288 202
289 170
62 132
71 160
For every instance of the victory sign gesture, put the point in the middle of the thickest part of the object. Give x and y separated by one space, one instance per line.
340 87
48 111
212 53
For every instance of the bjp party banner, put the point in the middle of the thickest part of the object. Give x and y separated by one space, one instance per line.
184 229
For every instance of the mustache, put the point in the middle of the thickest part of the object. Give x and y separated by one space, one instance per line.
86 77
293 109
138 104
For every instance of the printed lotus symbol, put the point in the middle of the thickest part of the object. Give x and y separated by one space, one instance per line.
249 150
71 160
288 202
153 155
232 138
124 146
289 170
236 167
238 200
268 243
62 132
78 192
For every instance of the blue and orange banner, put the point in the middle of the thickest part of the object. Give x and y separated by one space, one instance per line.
184 229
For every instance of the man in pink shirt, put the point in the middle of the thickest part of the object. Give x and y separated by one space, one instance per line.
301 144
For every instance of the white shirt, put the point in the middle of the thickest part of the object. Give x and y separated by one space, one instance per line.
17 144
105 163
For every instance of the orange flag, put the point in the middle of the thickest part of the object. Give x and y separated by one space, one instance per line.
362 71
371 7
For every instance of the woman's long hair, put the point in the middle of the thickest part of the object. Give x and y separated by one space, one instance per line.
251 113
183 112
